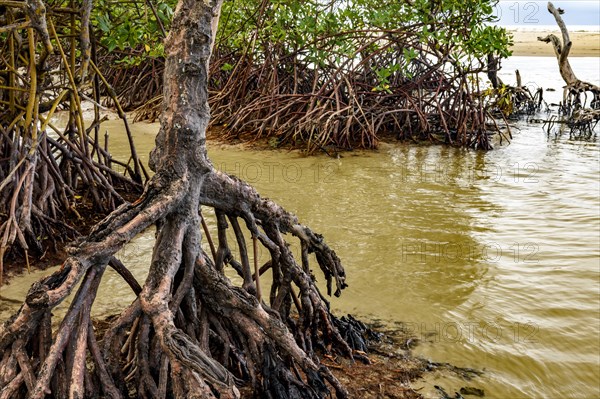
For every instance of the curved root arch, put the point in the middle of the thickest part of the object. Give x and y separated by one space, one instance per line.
190 330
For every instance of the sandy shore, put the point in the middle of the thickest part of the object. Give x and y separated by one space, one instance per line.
585 44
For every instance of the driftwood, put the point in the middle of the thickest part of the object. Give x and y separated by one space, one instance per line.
190 332
577 116
574 87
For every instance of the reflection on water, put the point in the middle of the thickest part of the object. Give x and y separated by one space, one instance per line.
491 259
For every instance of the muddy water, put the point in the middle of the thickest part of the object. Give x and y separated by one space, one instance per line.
491 259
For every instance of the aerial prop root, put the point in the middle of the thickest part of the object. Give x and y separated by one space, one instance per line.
95 251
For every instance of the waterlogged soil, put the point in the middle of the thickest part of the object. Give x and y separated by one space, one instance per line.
388 376
248 140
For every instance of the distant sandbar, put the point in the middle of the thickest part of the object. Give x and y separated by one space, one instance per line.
585 44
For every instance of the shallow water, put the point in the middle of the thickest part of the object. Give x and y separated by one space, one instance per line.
491 259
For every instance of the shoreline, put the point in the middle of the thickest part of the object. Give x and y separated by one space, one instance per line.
585 44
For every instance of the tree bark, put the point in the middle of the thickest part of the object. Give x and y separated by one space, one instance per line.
190 332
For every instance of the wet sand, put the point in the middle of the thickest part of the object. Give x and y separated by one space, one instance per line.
585 44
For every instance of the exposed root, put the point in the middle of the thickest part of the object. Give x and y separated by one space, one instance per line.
213 334
210 287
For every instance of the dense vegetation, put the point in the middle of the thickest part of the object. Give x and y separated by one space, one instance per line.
337 73
50 168
345 73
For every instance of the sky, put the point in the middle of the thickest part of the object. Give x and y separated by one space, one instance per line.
528 14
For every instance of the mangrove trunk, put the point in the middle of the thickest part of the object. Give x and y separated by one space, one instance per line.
190 332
